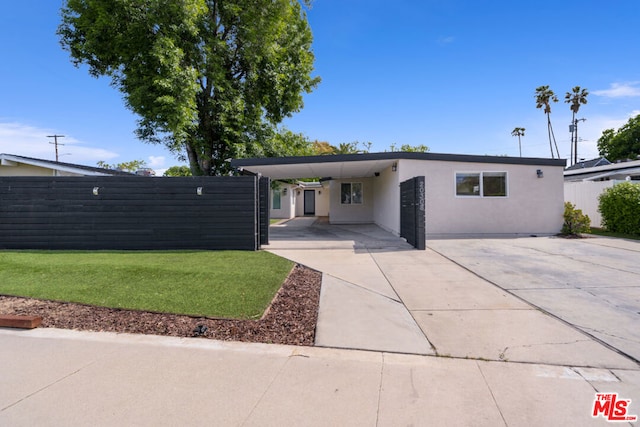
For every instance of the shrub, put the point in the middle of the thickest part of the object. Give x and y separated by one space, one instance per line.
575 222
620 208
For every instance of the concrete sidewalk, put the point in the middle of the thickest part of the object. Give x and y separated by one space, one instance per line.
52 377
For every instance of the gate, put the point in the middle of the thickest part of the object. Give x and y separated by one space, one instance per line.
412 212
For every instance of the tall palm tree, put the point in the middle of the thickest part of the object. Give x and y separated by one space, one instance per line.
544 97
518 132
576 98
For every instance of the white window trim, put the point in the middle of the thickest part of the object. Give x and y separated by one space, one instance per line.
481 195
351 192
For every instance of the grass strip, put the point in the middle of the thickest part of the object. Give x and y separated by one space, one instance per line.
229 284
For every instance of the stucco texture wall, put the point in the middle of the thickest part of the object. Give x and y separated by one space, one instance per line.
360 213
533 205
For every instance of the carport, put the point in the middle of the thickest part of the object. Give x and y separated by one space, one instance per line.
425 195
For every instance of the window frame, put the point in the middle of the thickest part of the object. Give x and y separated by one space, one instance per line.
481 193
273 197
351 193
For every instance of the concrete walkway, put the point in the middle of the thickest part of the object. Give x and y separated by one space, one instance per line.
450 348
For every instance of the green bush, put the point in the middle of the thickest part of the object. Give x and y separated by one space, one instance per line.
575 222
620 208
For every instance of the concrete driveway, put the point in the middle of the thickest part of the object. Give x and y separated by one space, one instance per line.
592 284
380 294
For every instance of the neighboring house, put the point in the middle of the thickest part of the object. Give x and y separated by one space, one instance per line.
13 165
600 161
583 185
459 194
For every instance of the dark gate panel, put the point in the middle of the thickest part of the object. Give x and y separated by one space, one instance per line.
264 217
412 212
128 213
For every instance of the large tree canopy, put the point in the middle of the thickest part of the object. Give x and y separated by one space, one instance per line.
623 143
209 78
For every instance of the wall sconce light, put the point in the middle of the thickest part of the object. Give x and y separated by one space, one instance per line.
540 173
319 192
199 191
284 191
298 192
96 191
394 167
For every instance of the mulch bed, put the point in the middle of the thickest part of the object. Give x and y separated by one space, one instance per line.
290 319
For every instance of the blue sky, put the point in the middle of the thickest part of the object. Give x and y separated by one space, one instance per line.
455 75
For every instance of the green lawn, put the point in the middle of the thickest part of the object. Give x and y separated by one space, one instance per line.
602 232
231 284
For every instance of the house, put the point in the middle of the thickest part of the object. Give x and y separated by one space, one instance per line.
442 194
13 165
583 185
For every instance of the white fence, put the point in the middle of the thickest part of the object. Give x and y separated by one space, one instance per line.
584 195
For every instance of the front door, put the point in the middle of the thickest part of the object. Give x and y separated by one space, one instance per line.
309 202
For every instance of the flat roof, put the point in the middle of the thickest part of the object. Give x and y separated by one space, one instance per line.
366 164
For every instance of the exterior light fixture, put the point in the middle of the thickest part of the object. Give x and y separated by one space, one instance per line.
394 167
540 173
96 191
199 191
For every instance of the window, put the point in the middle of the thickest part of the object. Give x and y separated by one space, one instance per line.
351 193
276 202
481 184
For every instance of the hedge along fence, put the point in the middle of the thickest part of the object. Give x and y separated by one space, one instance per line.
131 213
620 208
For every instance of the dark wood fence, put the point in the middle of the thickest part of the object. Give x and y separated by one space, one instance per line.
412 212
131 213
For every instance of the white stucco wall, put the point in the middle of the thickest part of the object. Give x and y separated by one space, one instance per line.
287 203
533 205
386 208
352 213
322 201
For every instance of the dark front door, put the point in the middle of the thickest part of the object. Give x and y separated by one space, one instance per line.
309 202
412 216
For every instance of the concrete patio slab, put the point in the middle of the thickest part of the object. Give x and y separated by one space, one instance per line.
354 317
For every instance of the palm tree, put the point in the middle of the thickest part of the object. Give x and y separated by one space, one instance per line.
576 97
518 132
544 97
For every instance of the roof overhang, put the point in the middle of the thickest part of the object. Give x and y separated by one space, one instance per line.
363 165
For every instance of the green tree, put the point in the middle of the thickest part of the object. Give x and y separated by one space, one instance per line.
623 143
544 97
207 78
347 148
519 132
178 171
130 166
322 147
576 98
407 148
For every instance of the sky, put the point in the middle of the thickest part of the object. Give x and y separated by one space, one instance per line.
455 75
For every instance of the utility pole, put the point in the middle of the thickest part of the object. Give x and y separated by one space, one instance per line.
573 128
56 143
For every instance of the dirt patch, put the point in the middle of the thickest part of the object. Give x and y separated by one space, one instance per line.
291 318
